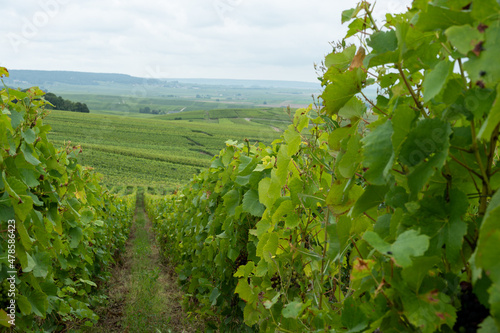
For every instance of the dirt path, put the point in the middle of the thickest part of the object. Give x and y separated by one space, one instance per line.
143 295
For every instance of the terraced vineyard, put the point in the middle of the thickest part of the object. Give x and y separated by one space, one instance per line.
159 151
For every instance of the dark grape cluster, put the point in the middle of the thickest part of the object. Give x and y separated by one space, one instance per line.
4 294
241 260
295 280
471 313
275 281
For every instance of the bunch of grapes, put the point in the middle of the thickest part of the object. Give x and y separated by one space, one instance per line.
471 313
276 281
4 291
295 279
241 260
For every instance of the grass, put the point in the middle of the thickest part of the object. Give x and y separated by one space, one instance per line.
158 151
143 293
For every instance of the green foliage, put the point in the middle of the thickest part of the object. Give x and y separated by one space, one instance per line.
367 220
59 103
68 227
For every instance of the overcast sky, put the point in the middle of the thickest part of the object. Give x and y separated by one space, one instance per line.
236 39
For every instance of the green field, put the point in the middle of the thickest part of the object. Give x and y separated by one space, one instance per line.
157 151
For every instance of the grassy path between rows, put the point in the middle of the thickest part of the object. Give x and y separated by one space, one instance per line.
143 293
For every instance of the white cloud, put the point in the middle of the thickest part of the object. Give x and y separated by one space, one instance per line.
255 39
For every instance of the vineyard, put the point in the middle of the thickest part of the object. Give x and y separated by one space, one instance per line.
359 220
59 227
367 214
156 152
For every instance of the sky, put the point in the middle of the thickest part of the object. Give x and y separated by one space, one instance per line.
230 39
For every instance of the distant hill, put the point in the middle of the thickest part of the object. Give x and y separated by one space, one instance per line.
252 83
38 77
24 78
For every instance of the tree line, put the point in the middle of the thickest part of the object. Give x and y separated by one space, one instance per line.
60 103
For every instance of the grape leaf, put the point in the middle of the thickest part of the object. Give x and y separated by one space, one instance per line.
493 119
251 203
293 309
435 81
464 37
378 154
435 18
343 87
408 244
341 60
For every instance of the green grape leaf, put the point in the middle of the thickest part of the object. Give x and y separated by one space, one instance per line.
42 264
39 302
435 18
268 192
246 165
28 155
342 88
485 66
29 177
429 311
348 14
492 121
285 207
270 248
378 154
436 79
23 233
245 291
293 141
430 136
455 230
231 201
342 196
336 137
487 252
355 108
4 318
86 216
376 242
464 37
16 118
488 326
408 244
29 136
341 60
486 10
402 121
383 41
245 270
371 197
23 304
293 309
75 235
350 161
354 319
420 268
251 203
214 295
13 186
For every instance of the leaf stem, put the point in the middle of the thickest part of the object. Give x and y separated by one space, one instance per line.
486 184
415 97
371 103
369 12
462 72
465 166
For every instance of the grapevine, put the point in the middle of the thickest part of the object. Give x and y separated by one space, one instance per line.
380 214
67 227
